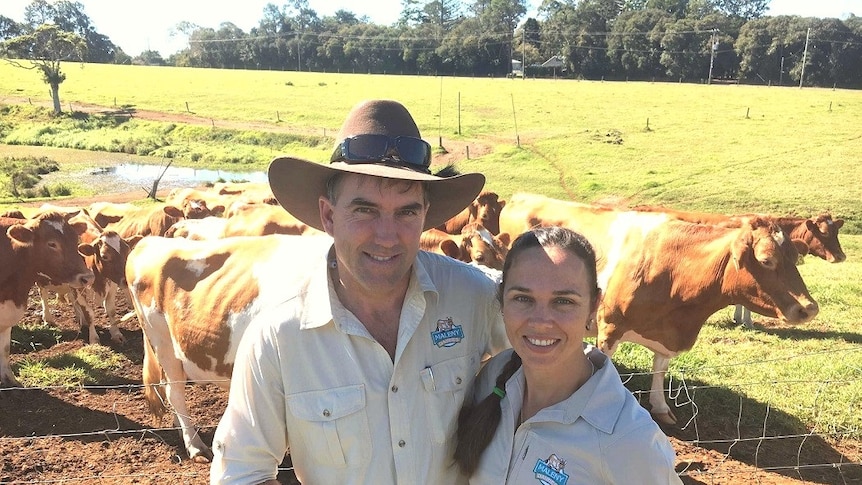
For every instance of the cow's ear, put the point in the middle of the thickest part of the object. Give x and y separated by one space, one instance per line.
21 234
173 211
838 223
87 249
134 240
79 227
502 203
218 210
739 248
504 239
450 248
801 247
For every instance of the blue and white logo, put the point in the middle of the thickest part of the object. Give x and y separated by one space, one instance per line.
447 334
550 471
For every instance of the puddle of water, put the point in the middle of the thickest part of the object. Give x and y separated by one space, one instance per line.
136 175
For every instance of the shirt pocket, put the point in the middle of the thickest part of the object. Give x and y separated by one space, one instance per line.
445 386
538 461
332 425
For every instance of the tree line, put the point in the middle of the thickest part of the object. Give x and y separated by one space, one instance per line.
678 40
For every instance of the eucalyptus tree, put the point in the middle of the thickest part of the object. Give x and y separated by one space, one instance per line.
9 28
834 53
497 20
71 17
691 43
45 49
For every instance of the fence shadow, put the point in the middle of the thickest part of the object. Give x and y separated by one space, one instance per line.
728 422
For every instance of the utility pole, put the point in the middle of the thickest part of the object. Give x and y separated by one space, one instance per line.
804 58
298 53
713 46
524 52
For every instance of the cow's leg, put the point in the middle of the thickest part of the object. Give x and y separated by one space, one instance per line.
742 315
175 386
7 378
85 315
47 310
658 406
109 303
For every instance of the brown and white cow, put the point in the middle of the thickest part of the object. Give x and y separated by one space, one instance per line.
662 278
475 244
256 219
148 220
194 300
208 228
485 210
819 233
105 254
45 245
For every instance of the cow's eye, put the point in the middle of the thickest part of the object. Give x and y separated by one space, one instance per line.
54 245
768 263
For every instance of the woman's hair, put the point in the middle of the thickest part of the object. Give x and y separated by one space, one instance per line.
477 424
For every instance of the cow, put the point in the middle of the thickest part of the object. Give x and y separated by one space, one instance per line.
194 300
105 213
208 228
148 220
264 219
662 278
475 244
485 210
46 244
198 209
819 233
105 254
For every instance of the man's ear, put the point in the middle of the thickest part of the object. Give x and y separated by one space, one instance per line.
326 212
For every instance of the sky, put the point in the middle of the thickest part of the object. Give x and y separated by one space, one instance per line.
139 25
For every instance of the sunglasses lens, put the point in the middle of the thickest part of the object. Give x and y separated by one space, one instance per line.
367 147
413 150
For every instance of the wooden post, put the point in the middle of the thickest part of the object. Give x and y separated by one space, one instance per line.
277 115
468 152
747 110
459 115
187 107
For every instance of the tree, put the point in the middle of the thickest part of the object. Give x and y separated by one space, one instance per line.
9 28
45 49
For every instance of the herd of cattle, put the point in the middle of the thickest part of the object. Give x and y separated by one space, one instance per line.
200 266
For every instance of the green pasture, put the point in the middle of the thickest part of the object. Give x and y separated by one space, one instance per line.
721 148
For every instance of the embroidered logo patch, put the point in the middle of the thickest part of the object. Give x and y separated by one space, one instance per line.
447 333
550 471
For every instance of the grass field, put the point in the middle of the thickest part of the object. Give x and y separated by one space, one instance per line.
724 148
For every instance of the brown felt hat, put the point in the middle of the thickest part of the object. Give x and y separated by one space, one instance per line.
298 184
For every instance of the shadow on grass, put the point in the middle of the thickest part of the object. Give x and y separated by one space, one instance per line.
799 333
730 423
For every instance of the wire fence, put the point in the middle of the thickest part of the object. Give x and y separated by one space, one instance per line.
804 451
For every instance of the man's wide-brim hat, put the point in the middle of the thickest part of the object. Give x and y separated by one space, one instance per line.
298 184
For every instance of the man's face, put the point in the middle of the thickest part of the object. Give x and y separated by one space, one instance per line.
376 224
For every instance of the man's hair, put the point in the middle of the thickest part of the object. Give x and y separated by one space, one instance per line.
333 186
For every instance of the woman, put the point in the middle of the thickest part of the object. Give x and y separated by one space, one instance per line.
552 408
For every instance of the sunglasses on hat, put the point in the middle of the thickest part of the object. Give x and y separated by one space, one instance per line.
401 150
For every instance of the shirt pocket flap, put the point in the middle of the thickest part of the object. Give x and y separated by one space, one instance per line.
327 405
449 376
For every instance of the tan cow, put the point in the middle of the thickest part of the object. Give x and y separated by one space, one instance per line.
194 300
148 220
46 245
263 220
662 278
485 210
819 233
475 244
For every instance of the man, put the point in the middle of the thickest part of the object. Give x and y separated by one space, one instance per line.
360 373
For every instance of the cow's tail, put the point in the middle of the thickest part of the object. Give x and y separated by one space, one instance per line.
154 391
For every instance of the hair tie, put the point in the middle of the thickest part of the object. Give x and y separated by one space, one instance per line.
499 392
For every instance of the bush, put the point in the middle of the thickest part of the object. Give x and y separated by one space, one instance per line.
61 190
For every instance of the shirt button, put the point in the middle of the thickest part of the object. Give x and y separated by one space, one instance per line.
457 380
326 413
394 389
402 444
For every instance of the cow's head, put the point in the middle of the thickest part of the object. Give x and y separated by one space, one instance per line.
485 210
52 244
478 245
109 253
766 278
195 209
822 238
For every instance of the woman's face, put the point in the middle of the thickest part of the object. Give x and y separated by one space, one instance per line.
546 305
